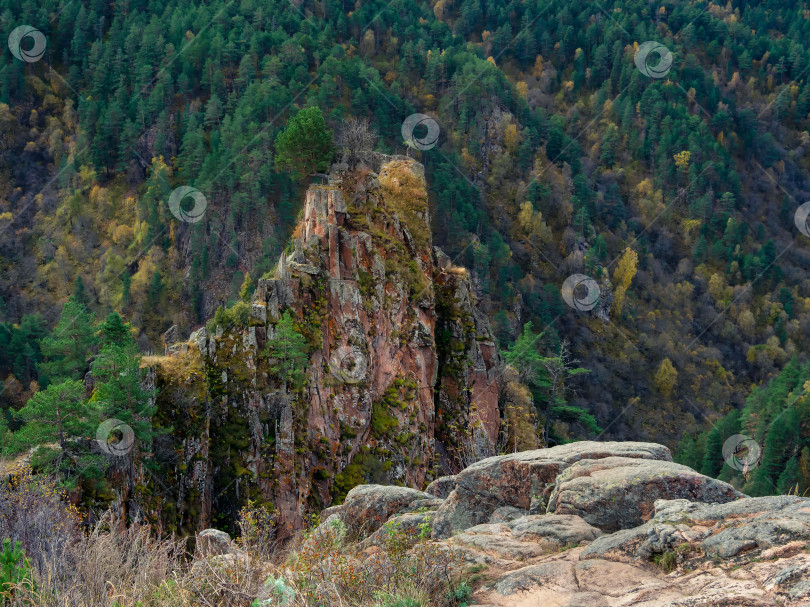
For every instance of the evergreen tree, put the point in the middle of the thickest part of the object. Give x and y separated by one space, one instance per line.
119 391
305 146
58 414
780 442
79 293
289 349
547 377
715 439
115 331
790 479
24 347
68 347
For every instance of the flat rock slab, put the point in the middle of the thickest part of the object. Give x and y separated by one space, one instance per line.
554 575
609 578
559 529
616 493
743 528
525 538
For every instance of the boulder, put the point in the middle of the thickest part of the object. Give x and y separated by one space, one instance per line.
559 530
619 493
424 505
518 478
442 486
504 514
367 507
213 542
409 526
461 510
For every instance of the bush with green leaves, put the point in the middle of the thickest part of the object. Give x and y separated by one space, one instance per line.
14 570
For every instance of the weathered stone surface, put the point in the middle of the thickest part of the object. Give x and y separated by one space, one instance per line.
526 537
514 479
410 525
368 507
749 552
561 530
424 505
619 493
612 579
504 514
442 486
359 278
499 545
213 542
554 575
745 528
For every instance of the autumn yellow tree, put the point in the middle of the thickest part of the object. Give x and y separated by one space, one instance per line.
666 377
682 160
532 223
622 276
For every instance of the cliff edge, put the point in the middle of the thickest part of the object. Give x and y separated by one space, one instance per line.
399 367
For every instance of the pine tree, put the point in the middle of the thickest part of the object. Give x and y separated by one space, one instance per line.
155 289
79 293
57 414
713 451
24 352
305 145
546 376
790 479
780 442
115 331
68 347
289 348
119 391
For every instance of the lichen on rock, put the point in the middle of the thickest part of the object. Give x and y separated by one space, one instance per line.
365 288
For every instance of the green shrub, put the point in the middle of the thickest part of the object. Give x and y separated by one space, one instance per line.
14 569
238 315
460 595
667 561
400 601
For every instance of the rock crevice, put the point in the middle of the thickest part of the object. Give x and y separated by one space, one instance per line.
398 360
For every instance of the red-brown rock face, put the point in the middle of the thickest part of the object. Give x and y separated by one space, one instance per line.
367 290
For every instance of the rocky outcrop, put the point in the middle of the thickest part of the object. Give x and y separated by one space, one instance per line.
397 361
745 528
693 552
367 507
524 480
619 492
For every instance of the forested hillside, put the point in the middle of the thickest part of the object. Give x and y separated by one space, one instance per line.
776 417
560 152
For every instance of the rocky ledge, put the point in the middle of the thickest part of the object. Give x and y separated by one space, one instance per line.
593 524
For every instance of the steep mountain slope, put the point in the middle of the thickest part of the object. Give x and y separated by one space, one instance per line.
559 149
334 375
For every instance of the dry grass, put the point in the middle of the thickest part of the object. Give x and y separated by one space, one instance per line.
111 565
405 569
405 192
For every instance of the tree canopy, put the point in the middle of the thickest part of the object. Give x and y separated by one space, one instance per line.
305 146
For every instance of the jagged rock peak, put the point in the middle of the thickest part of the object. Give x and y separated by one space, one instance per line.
363 283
